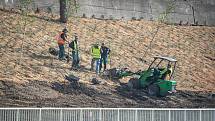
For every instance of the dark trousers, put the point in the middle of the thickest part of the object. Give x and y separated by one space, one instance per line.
103 60
61 51
75 59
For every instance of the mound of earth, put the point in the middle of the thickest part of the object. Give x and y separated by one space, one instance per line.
30 76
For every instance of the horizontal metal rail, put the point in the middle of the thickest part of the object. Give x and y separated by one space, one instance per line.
12 108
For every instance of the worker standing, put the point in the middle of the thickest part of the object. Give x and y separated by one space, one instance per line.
104 56
75 52
61 41
96 56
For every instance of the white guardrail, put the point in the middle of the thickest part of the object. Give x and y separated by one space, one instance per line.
106 114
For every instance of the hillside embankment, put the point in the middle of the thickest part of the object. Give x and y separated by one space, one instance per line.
30 76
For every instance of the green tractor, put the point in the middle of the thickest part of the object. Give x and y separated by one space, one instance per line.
157 80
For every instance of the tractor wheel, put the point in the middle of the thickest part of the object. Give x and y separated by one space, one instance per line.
133 83
153 90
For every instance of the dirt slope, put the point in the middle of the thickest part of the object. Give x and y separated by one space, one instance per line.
30 76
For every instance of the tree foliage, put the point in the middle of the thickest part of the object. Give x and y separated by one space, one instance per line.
164 15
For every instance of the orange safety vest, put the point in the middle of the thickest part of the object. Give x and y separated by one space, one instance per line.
60 41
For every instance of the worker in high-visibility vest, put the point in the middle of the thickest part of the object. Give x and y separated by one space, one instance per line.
75 52
61 39
96 56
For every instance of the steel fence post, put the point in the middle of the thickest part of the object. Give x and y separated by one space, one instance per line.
136 117
152 114
185 115
61 114
81 115
40 117
200 115
100 114
118 115
169 115
17 115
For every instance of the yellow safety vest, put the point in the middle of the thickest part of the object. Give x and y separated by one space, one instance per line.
96 53
75 45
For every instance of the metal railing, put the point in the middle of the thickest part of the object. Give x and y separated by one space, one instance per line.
106 114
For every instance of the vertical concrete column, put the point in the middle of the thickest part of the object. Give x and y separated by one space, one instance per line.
133 2
90 8
103 8
118 7
150 10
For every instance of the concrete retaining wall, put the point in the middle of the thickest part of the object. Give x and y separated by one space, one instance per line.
201 12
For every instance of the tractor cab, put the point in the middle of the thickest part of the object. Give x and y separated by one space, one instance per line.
165 66
158 78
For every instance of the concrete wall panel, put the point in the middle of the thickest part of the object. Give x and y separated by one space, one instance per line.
189 11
